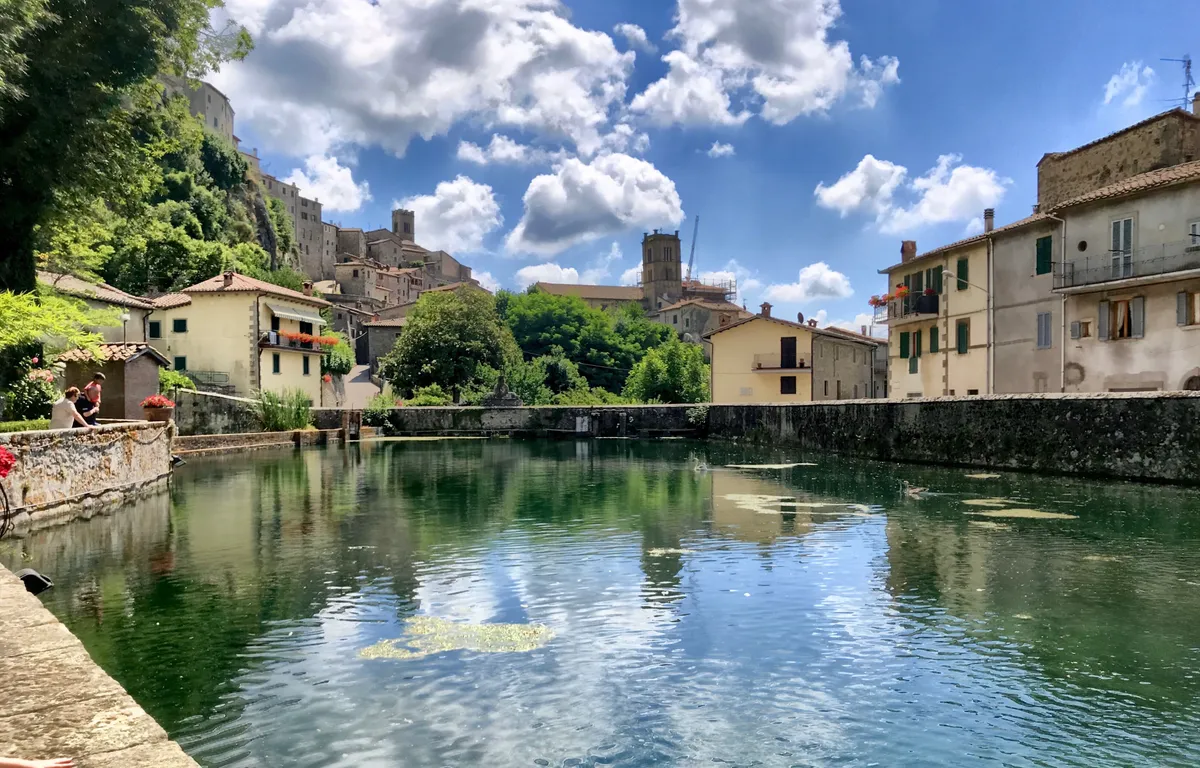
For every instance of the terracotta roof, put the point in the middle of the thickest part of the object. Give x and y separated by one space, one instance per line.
1143 182
597 292
113 353
456 286
171 300
244 284
717 306
854 335
74 286
1176 111
781 321
393 323
1034 219
326 286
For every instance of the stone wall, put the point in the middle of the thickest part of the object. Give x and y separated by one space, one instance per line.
548 421
195 444
64 474
207 413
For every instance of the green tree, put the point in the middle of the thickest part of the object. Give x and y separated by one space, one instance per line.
674 372
223 164
285 228
452 338
50 319
338 359
17 19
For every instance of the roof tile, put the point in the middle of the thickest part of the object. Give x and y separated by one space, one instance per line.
244 284
74 286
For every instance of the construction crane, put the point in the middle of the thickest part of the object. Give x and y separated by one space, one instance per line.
692 258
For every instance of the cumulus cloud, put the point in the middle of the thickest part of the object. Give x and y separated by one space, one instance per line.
486 280
504 151
457 216
775 54
635 36
581 201
860 320
816 281
1130 83
948 192
721 150
548 272
329 72
632 275
733 270
331 183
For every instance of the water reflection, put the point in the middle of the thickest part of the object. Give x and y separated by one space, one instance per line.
846 625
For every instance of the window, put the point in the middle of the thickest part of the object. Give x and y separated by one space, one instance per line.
275 363
1123 318
964 273
827 389
855 391
963 336
839 389
904 351
214 122
787 385
912 365
1194 232
1044 339
1122 248
274 323
355 273
339 315
853 355
306 328
1185 308
1044 258
687 322
303 203
407 228
155 329
179 325
181 363
674 319
210 98
933 339
916 350
972 392
303 216
305 365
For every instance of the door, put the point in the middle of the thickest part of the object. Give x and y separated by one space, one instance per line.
1122 248
787 352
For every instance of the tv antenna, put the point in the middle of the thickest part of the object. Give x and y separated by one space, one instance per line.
1188 81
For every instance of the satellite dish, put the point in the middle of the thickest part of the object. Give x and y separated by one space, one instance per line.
800 318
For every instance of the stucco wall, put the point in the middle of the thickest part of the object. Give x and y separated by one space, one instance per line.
1020 294
841 369
63 474
217 337
736 353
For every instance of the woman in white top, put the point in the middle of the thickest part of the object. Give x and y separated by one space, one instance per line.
64 415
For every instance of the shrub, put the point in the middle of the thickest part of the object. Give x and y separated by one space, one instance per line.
376 412
171 380
284 411
339 357
24 426
30 397
431 395
698 416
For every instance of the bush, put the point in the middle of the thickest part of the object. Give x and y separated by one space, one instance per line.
431 395
169 380
376 412
24 426
30 397
338 359
284 412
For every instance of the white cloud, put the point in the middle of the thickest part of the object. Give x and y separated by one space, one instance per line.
860 320
1130 82
820 317
632 275
581 201
486 280
325 73
774 54
747 283
548 272
457 216
816 281
635 36
601 267
721 150
974 227
504 151
330 183
625 138
947 192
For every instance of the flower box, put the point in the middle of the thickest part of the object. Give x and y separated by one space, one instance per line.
158 408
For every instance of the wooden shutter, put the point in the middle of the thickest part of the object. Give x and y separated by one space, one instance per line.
1137 316
904 345
964 337
933 339
1075 330
1045 249
912 365
936 283
916 351
1181 308
963 273
1102 322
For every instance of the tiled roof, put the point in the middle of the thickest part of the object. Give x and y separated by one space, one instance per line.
393 323
596 292
716 306
244 284
73 286
789 323
1176 111
1143 182
1034 219
856 336
113 353
171 300
456 286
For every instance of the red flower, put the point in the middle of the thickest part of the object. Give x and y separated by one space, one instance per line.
7 462
327 378
930 292
158 401
34 361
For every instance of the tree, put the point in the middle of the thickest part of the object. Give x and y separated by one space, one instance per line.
17 19
338 359
450 338
284 227
672 373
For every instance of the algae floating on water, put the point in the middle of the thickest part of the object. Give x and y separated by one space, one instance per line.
1027 514
665 551
771 466
427 635
988 502
988 525
983 476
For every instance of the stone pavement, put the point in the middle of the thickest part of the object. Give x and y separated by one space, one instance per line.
359 388
56 702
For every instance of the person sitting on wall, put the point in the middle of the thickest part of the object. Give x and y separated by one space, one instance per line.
89 403
12 762
64 414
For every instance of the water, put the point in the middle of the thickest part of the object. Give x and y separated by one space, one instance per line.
689 629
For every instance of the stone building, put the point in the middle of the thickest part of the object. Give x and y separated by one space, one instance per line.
310 240
329 249
694 318
351 242
205 102
132 311
381 337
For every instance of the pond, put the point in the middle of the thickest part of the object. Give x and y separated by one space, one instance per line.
512 603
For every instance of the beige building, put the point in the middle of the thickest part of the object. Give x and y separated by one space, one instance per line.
764 359
230 333
132 311
598 296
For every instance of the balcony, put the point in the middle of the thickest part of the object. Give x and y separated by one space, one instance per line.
1149 262
775 363
908 308
276 340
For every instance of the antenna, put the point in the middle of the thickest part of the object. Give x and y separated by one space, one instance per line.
692 258
1188 81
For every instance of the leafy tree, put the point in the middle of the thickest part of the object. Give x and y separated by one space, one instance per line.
338 359
285 228
17 19
223 164
169 381
451 339
432 395
672 373
50 319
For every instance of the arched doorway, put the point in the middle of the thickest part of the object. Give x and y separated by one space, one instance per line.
1192 384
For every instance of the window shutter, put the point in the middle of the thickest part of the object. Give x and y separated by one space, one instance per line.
963 273
937 279
1181 308
1075 331
912 365
964 337
933 339
1102 322
904 345
1137 316
916 351
1045 246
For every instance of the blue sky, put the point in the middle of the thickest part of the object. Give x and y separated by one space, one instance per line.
539 139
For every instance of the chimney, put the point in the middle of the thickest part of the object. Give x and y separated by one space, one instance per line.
1037 208
908 250
812 323
227 279
989 219
308 288
1196 104
862 329
765 309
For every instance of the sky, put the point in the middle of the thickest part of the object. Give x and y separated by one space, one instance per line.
539 139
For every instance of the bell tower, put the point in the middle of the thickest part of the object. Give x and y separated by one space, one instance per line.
662 269
404 224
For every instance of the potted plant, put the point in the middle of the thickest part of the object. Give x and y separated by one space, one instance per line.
930 292
158 408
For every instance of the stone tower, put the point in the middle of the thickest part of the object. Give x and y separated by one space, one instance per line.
662 269
404 223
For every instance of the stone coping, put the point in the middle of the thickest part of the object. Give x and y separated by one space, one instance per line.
56 702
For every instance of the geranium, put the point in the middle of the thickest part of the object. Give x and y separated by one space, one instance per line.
7 462
34 361
901 291
327 378
326 341
930 292
41 374
158 401
876 301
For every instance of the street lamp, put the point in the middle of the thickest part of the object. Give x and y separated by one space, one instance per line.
124 328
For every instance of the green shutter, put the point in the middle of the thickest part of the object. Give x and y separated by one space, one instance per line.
933 339
1045 250
964 275
937 279
904 345
916 343
912 365
964 337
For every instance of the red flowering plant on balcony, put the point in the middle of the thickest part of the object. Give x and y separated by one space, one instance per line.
878 301
158 401
901 291
308 338
7 462
930 292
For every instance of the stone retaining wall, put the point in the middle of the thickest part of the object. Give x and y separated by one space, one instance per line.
544 421
65 474
247 441
208 413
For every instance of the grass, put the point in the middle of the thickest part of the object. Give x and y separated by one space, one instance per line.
24 426
284 412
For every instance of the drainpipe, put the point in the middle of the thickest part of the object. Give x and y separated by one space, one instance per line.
256 352
990 360
1062 311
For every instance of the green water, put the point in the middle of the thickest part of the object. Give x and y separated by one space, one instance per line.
689 627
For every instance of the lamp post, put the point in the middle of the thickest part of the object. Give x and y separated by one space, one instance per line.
124 327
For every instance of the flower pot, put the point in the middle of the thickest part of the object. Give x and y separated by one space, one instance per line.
159 414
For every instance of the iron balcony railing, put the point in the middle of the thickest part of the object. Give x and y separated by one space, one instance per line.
909 306
1123 265
775 363
276 339
209 378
